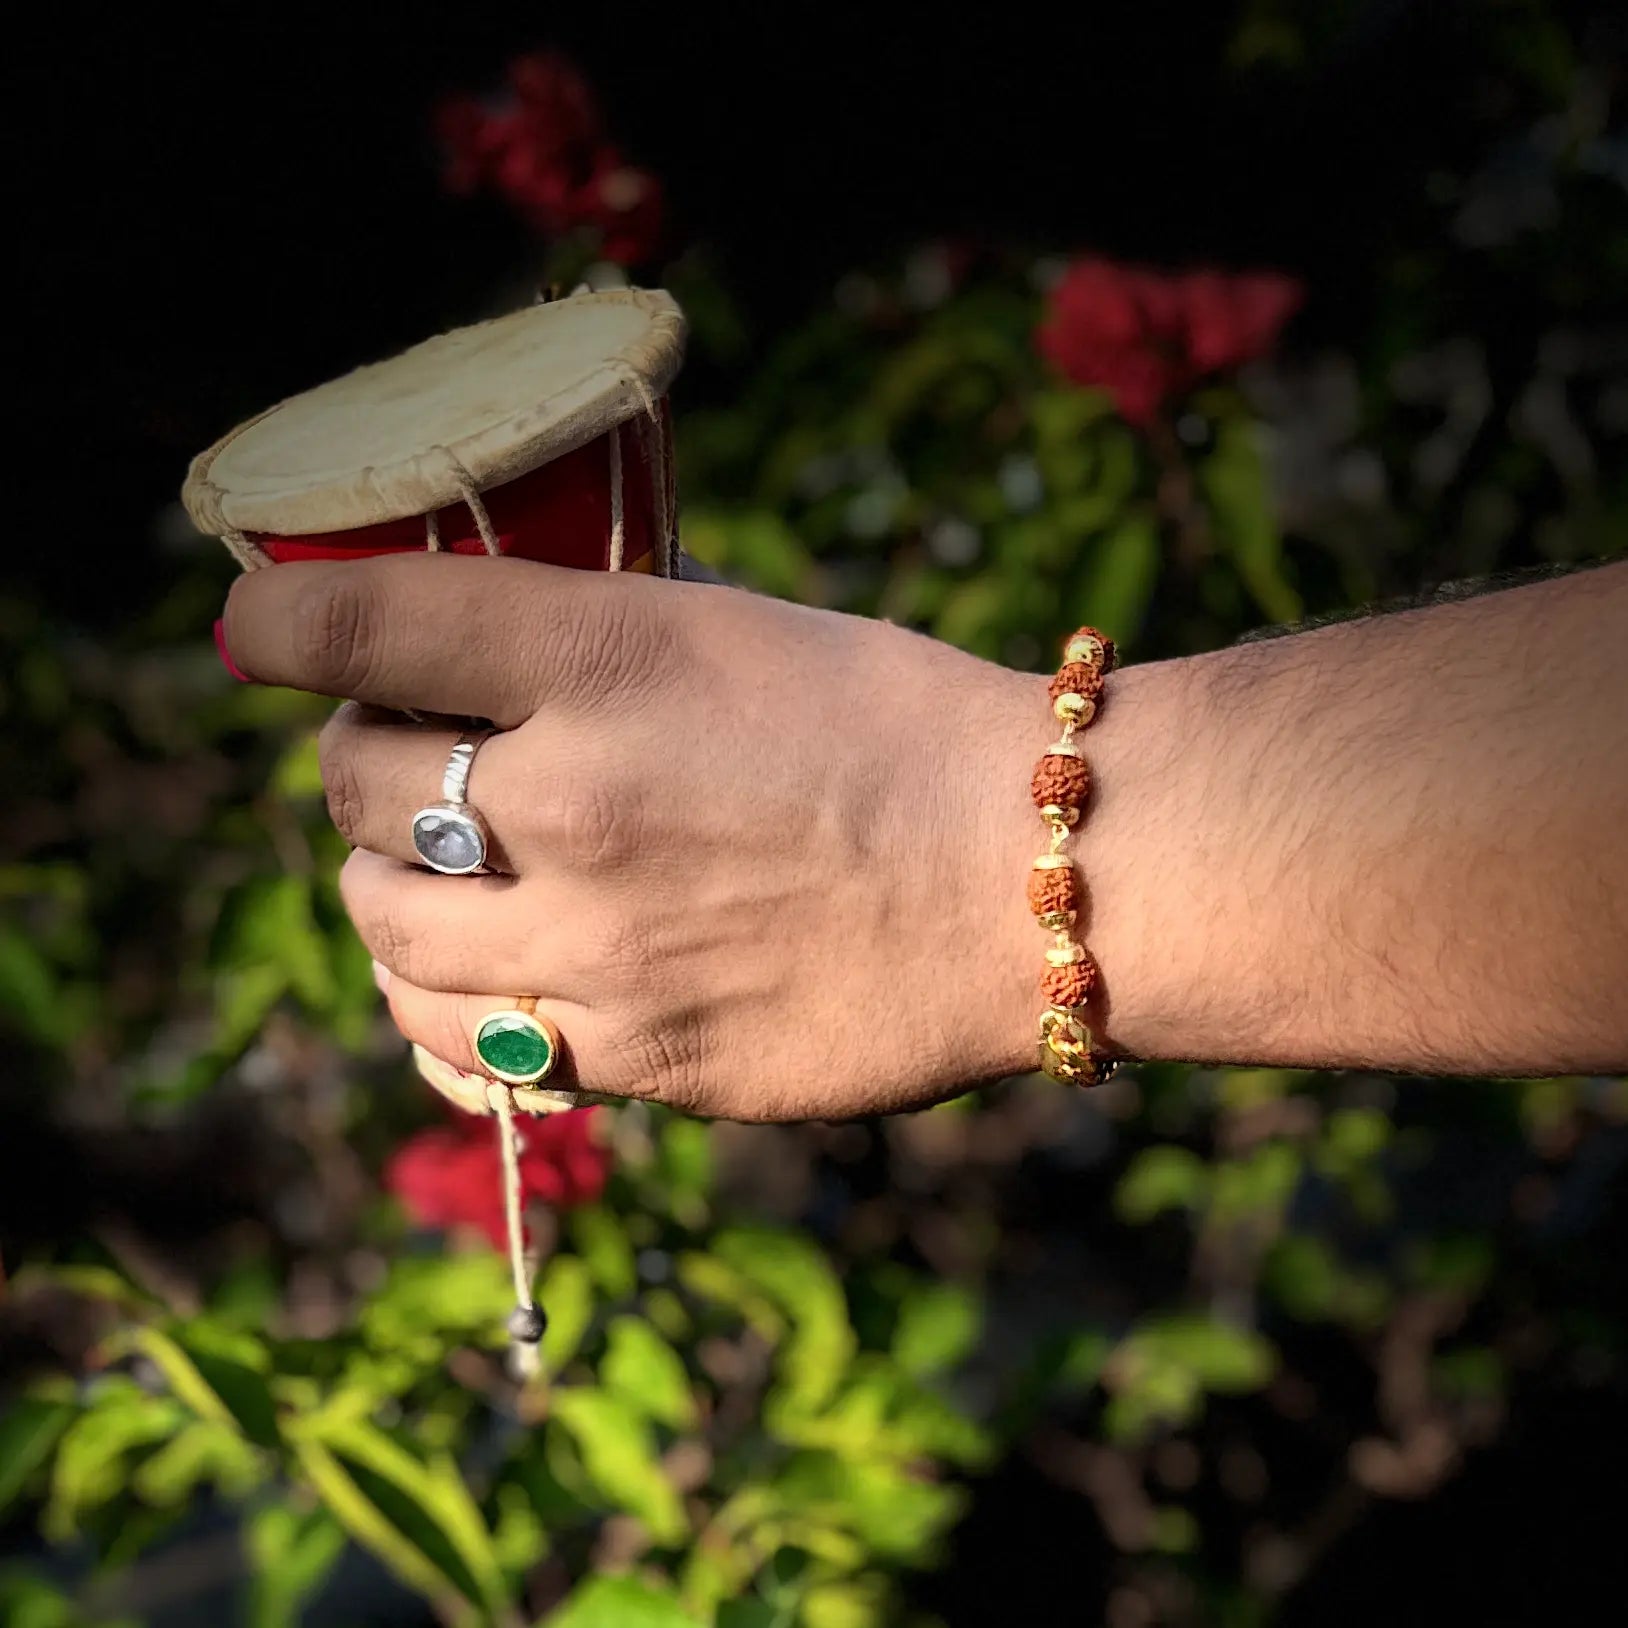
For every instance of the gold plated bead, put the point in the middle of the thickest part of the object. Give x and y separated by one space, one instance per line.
1082 647
1052 862
1064 749
1055 920
1078 710
1056 1022
1056 814
1060 955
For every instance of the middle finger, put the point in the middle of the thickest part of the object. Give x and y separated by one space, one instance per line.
380 768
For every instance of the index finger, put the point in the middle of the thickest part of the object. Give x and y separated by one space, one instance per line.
442 633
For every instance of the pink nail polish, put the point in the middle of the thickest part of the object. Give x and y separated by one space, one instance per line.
226 655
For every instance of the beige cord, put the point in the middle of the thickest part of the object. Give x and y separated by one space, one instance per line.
618 530
527 1361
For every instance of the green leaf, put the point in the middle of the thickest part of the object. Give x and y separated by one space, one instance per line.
1158 1179
1220 1356
220 1373
351 1507
1353 1136
792 1273
899 1515
566 1289
755 544
415 1513
1303 1276
644 1370
1457 1263
850 1602
685 1162
973 615
298 772
1233 478
94 1282
243 998
29 1430
620 1602
29 986
749 1613
881 1413
711 1279
270 923
601 1239
938 1324
90 1465
28 1600
1258 1185
201 1453
292 1553
1113 586
430 1301
619 1456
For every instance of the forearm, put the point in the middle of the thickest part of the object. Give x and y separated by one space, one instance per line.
1396 842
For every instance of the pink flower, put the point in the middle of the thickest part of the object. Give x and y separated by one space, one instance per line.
1146 336
452 1175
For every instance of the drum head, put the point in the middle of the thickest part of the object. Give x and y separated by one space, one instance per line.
486 403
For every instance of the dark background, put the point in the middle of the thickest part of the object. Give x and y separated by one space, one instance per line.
220 208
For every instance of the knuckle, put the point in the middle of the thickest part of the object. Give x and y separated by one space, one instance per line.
609 645
598 825
377 919
435 1023
662 1060
341 782
334 624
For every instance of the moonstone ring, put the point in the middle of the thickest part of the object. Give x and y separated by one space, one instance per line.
449 836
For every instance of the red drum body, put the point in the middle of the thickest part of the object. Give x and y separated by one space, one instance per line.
560 513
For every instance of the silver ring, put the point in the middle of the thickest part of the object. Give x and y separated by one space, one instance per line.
450 836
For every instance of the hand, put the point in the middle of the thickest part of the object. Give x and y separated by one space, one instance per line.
756 861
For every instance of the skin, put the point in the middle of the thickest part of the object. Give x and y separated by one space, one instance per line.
763 862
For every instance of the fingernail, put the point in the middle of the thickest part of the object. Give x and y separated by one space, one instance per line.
226 655
381 976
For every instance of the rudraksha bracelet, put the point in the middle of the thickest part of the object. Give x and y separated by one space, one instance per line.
1061 784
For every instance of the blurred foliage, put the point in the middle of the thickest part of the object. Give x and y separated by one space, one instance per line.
768 1404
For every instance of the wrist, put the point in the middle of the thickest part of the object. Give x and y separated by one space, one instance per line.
1128 847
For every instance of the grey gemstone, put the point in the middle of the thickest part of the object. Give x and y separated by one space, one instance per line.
448 841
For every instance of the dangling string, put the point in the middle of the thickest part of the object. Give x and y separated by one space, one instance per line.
526 1321
432 532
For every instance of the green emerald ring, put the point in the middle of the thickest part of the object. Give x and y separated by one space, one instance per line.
516 1046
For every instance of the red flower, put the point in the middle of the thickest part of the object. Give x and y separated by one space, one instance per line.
543 149
452 1175
1146 336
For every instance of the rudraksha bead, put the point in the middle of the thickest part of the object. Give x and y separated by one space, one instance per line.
1064 781
1069 986
1078 678
1051 890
